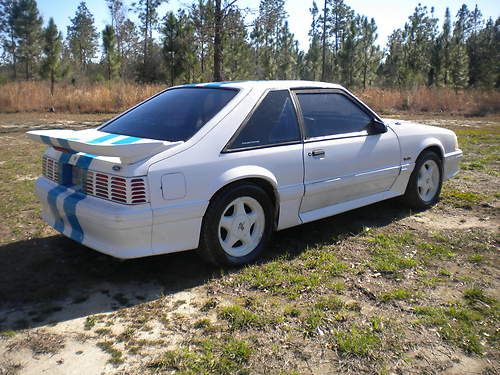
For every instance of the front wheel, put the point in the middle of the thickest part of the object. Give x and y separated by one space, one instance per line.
236 226
425 182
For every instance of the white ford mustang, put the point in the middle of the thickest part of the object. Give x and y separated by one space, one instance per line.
220 166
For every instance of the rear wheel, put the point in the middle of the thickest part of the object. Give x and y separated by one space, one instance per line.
425 182
236 226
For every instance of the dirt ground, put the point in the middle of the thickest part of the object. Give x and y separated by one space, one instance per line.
380 289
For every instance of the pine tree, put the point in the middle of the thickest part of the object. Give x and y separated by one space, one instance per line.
7 36
51 66
442 60
130 49
28 33
346 55
313 56
474 23
201 16
393 70
369 53
148 16
82 37
341 18
459 56
287 57
237 50
266 37
118 13
487 71
111 55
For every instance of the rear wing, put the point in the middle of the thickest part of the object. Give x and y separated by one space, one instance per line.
92 141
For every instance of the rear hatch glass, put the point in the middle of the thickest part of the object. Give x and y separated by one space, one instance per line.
173 115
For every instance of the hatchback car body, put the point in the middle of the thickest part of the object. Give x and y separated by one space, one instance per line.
220 166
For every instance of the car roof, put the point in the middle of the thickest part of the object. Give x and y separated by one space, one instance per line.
264 85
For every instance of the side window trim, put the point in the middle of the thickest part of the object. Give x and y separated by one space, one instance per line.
227 148
346 94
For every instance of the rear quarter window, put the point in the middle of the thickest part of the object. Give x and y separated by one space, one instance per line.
174 115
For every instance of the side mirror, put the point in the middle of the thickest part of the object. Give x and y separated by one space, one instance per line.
377 127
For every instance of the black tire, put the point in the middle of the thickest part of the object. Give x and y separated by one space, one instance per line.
210 248
412 197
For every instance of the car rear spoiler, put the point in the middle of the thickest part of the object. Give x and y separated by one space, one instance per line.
92 141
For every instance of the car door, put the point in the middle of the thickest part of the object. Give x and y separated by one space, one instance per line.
344 158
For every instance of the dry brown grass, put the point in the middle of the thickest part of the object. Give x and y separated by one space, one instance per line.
95 98
469 102
117 96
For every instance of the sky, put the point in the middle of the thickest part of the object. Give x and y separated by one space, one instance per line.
388 14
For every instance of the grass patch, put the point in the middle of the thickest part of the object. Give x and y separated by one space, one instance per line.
474 295
387 255
239 317
460 198
312 320
398 294
223 356
116 355
475 258
203 323
90 322
433 250
314 268
466 326
356 341
7 334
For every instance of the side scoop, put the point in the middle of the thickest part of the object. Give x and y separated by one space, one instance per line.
92 141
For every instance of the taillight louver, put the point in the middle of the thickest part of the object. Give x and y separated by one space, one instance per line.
126 190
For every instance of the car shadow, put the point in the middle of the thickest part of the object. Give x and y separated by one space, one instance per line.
53 279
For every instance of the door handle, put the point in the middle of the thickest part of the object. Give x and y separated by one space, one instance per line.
317 153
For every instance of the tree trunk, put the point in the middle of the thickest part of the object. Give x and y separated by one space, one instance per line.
323 71
52 79
218 42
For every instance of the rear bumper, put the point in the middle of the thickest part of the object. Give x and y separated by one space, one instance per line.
452 164
118 230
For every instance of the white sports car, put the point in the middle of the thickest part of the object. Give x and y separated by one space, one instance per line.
220 166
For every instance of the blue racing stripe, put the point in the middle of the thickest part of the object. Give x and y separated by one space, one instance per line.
64 143
103 139
52 202
126 141
69 207
214 84
46 139
84 161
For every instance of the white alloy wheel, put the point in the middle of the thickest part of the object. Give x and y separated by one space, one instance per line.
241 226
428 180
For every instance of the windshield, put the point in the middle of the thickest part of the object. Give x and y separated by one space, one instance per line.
174 115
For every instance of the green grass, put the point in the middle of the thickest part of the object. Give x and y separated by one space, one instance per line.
460 198
398 294
116 355
239 317
221 356
466 326
312 320
7 334
315 268
435 250
475 294
90 322
356 341
475 258
386 252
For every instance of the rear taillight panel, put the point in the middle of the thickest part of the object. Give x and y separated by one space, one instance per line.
126 190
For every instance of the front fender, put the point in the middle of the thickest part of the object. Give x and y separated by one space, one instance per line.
426 143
